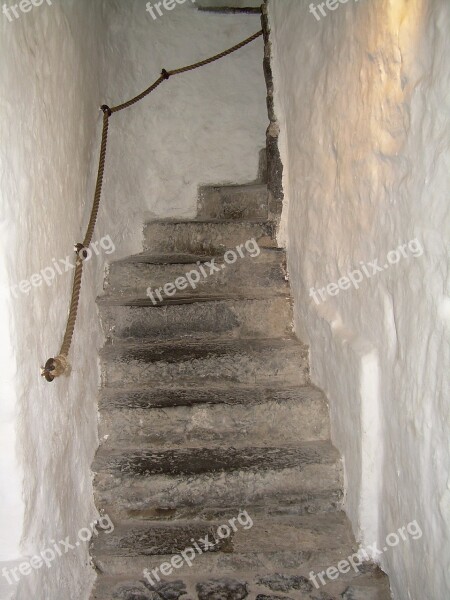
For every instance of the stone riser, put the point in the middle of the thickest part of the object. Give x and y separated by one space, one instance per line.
305 504
233 202
205 237
266 424
264 275
247 532
248 361
213 319
126 489
171 396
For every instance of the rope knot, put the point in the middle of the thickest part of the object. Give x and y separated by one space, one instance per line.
165 74
55 367
80 251
106 110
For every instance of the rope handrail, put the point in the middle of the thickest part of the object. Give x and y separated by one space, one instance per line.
57 366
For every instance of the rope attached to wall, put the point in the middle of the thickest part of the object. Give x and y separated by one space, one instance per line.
55 367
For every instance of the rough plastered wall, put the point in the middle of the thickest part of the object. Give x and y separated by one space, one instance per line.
50 93
206 126
363 102
59 62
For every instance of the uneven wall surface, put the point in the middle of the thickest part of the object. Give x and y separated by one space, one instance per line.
50 93
363 103
59 62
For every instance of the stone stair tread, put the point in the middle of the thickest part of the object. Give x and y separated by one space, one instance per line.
306 504
141 483
242 360
205 235
143 463
214 221
166 258
165 397
262 275
276 419
314 532
237 187
188 298
178 349
199 318
149 257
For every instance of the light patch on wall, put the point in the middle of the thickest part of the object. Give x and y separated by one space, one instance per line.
11 516
371 445
398 10
406 18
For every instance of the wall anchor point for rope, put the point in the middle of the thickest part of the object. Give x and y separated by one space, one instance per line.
106 110
55 367
165 74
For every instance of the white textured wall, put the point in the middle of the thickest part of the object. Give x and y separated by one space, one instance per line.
58 63
49 71
364 107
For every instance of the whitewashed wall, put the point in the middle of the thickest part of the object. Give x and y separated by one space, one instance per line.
202 127
58 63
363 101
49 70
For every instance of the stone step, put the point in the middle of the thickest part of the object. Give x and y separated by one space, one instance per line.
233 202
237 584
261 276
305 504
206 237
141 482
147 538
297 415
240 534
199 318
263 361
172 396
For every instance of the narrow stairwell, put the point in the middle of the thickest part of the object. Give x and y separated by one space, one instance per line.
210 425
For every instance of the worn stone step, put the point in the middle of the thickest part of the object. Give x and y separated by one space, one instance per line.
239 535
300 503
199 461
206 237
233 202
238 584
205 318
166 396
261 276
266 361
137 481
305 504
147 538
298 415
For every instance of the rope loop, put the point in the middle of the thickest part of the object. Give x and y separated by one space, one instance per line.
106 110
80 251
165 74
55 367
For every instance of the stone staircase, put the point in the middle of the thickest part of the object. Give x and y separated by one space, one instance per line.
210 425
